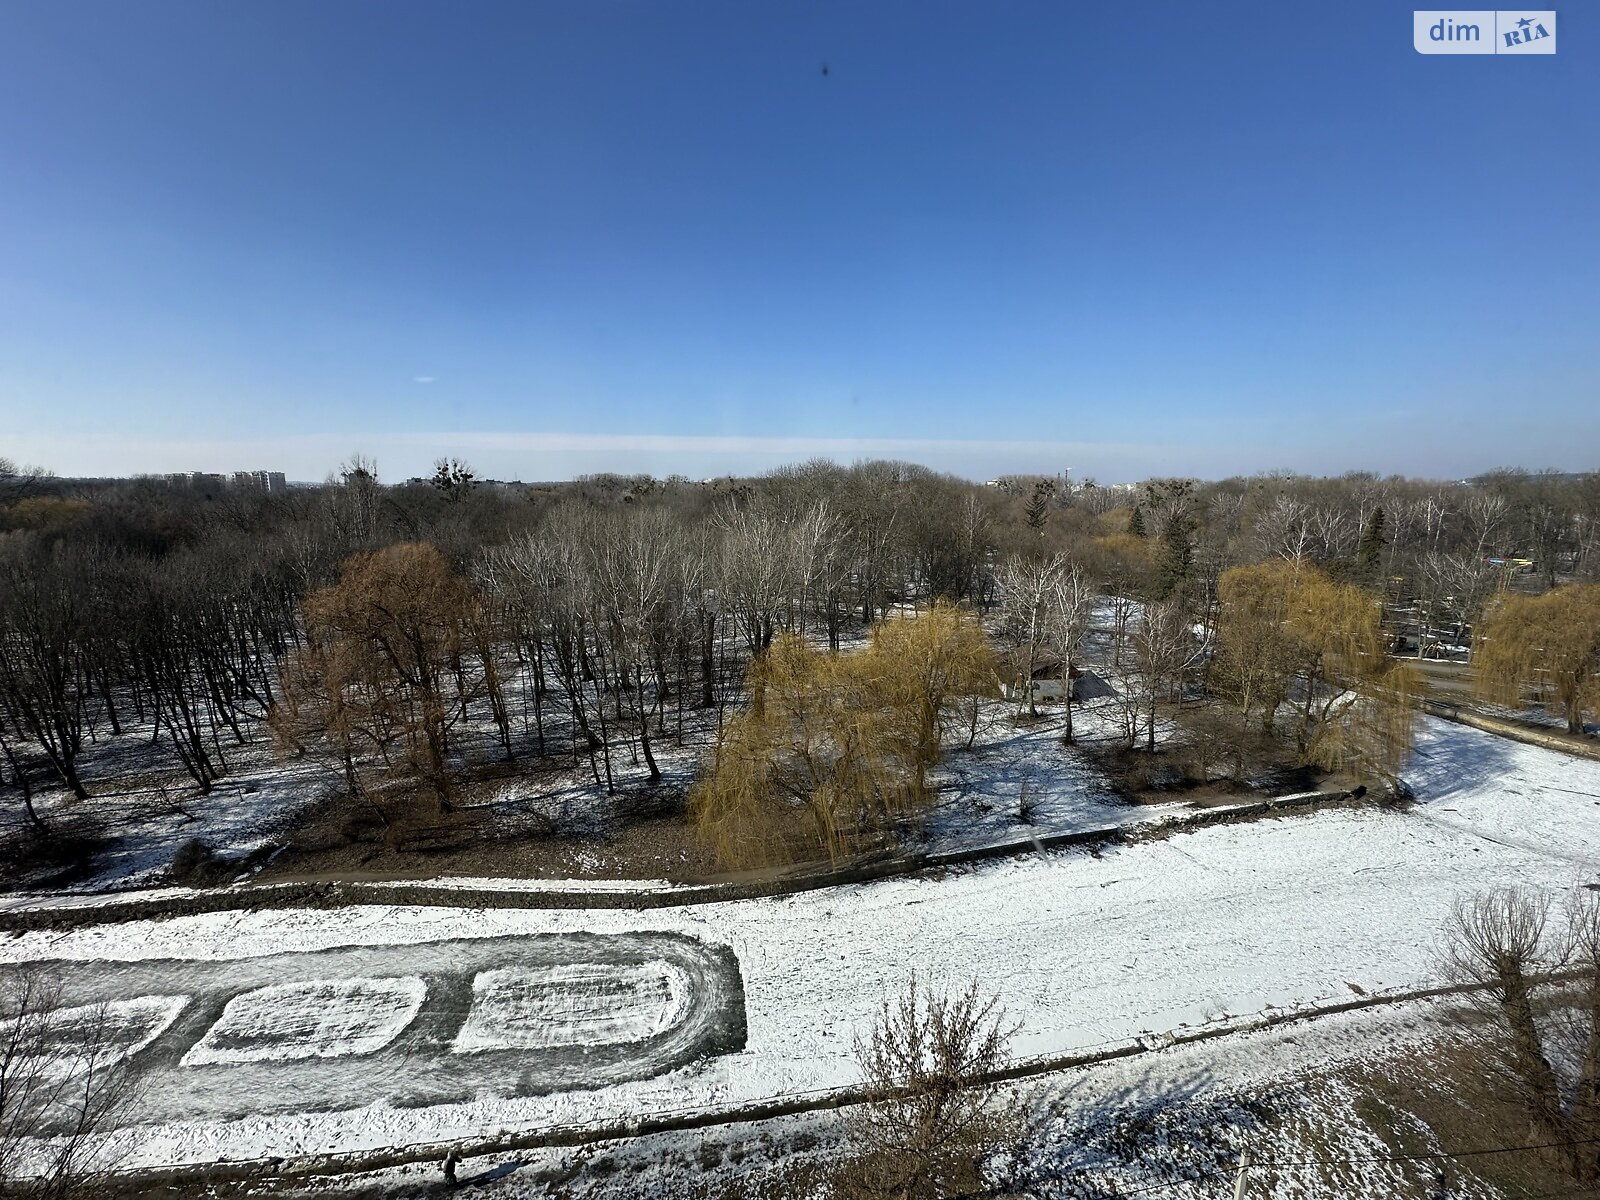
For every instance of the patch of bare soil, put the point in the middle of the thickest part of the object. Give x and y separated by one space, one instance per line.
1140 776
638 833
1455 1093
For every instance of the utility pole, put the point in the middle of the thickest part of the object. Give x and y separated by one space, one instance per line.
1241 1176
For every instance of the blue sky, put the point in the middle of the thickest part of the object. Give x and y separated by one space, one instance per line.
556 238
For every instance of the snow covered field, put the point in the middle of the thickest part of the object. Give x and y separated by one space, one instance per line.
1084 949
1171 1123
321 1018
592 1005
419 1025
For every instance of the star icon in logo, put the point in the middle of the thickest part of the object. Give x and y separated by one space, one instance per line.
1525 22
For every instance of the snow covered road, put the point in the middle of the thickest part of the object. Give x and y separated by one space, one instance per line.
1084 949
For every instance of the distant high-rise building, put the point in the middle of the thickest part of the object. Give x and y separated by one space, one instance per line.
268 481
200 481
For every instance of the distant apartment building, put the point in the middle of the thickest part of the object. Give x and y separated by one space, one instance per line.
200 481
267 481
206 481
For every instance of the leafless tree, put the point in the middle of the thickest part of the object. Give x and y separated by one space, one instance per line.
937 1125
633 571
1452 587
353 507
1284 530
1485 513
17 480
1028 597
817 549
1502 942
64 1080
758 571
45 659
1165 650
1334 528
1070 608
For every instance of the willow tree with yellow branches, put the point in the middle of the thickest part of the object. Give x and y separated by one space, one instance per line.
834 749
1545 648
1294 640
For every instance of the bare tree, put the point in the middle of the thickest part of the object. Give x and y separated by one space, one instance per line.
18 480
1165 649
632 567
1071 606
1028 598
45 659
758 572
1485 513
1454 587
1500 942
1284 530
353 507
938 1122
817 547
64 1079
453 478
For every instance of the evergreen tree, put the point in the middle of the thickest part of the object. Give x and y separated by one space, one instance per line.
1370 550
1136 522
1038 510
1176 557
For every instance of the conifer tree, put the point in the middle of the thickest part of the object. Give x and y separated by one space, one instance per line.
1136 522
1038 510
1370 550
1177 556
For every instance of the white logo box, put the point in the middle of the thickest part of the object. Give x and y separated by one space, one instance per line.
1484 31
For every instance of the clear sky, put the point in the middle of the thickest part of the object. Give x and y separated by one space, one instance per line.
708 237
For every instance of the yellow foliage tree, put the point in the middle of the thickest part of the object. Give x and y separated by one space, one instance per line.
1255 662
918 666
1288 633
1545 646
835 748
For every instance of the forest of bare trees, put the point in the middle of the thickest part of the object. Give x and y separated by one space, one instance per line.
368 624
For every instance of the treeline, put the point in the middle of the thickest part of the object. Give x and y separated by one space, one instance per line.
374 623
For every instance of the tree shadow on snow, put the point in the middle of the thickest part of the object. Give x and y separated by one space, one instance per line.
1157 1129
1452 760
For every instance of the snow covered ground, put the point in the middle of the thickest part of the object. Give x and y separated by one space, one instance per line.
1084 949
598 1004
320 1018
144 807
1172 1123
982 789
87 1036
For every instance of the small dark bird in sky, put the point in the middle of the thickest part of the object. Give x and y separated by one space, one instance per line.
825 68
